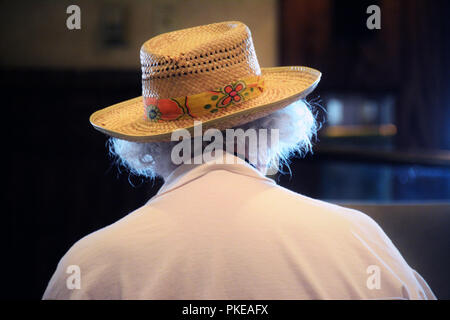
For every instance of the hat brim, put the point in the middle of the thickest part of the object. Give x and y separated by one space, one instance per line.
283 85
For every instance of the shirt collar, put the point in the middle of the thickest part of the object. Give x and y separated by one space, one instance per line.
186 173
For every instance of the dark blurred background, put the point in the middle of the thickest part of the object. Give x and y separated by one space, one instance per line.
384 97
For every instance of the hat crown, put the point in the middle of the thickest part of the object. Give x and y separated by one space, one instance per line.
198 59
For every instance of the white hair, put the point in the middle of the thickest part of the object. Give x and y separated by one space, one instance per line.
296 126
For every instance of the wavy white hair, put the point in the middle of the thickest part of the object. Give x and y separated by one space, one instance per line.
296 126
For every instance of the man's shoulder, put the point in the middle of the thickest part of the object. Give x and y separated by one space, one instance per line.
111 241
98 256
298 204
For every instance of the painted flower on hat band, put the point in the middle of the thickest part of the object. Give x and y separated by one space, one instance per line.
232 94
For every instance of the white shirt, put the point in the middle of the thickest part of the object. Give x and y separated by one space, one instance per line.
225 231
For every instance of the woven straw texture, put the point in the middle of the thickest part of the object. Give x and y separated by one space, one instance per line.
195 60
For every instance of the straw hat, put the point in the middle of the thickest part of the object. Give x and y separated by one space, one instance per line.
208 73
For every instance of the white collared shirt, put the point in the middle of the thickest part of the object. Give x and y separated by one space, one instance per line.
225 231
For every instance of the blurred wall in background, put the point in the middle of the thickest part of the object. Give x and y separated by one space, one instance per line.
407 60
34 33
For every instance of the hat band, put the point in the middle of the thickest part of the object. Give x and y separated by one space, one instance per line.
204 103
